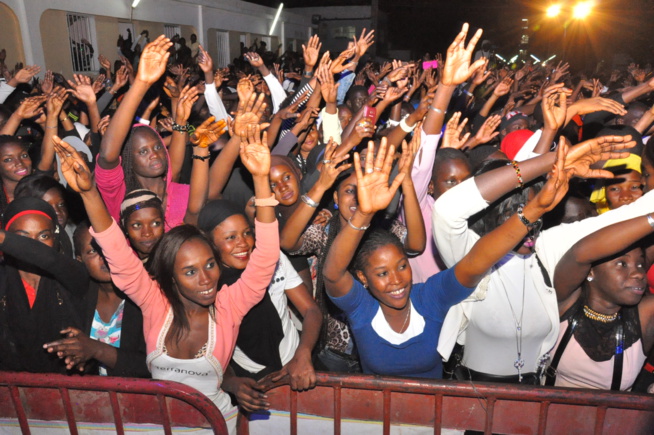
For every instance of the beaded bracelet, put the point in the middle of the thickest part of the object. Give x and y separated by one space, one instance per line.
530 225
518 174
180 128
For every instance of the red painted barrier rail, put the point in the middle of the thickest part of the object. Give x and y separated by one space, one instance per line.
491 408
99 399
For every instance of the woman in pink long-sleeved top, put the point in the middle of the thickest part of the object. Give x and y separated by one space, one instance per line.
190 328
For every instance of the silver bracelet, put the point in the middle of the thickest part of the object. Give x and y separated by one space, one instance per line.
650 220
349 222
437 110
308 201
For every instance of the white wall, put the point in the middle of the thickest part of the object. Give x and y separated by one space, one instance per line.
233 15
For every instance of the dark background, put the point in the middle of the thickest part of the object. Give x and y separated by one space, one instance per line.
623 27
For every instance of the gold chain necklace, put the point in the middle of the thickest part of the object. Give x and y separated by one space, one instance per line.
408 314
594 315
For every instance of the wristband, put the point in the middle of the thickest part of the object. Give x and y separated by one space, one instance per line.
203 158
650 220
530 225
180 128
349 222
468 93
142 121
266 202
308 74
308 201
405 127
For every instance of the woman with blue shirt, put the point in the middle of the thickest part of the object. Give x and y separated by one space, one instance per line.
395 323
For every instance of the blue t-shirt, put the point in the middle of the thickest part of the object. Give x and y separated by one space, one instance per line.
416 357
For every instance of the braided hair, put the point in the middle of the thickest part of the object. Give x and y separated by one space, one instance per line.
127 156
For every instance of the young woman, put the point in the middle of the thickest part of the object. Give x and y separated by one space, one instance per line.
142 219
41 289
15 164
268 341
190 327
396 324
112 333
607 326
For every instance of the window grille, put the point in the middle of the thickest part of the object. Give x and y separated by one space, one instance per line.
81 35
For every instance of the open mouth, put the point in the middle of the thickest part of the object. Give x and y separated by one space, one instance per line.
353 209
21 172
242 255
206 292
398 293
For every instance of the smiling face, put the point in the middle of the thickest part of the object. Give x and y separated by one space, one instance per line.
36 227
626 189
91 255
196 274
148 153
387 274
15 163
234 240
622 280
144 227
57 201
284 184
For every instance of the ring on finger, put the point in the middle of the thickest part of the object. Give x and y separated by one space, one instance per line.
369 171
377 168
324 162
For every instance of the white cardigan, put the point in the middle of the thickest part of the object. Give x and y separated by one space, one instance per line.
454 240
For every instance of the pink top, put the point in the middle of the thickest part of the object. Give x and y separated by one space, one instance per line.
232 302
428 263
111 184
577 370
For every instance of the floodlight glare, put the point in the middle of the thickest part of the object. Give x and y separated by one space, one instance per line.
582 10
135 3
274 23
553 10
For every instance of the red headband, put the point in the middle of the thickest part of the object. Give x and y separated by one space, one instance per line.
23 213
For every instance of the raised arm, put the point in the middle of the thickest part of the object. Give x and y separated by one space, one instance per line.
492 247
53 106
152 66
416 238
574 266
177 148
374 194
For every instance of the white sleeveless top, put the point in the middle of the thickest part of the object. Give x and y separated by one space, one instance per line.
205 374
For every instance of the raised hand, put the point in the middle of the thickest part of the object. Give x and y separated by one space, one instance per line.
208 132
364 42
363 129
307 118
560 71
329 168
254 59
557 183
98 83
82 89
581 156
373 190
55 102
26 74
338 65
187 98
244 89
452 137
254 152
31 107
481 74
48 82
249 112
486 132
171 88
122 77
220 76
105 63
457 68
311 52
104 123
503 87
73 166
409 153
555 106
590 105
205 61
154 58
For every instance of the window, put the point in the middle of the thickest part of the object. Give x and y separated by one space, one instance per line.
222 44
347 32
81 35
171 30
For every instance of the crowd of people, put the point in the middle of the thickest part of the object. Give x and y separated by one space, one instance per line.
303 212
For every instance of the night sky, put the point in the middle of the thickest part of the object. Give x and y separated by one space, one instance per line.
615 26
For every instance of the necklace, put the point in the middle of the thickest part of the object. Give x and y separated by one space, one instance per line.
519 363
594 315
406 318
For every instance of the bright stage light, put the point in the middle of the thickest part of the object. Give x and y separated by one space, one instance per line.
274 23
135 3
553 11
582 10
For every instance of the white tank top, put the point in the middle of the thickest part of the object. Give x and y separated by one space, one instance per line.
205 374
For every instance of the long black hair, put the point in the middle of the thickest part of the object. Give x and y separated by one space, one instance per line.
127 155
162 269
